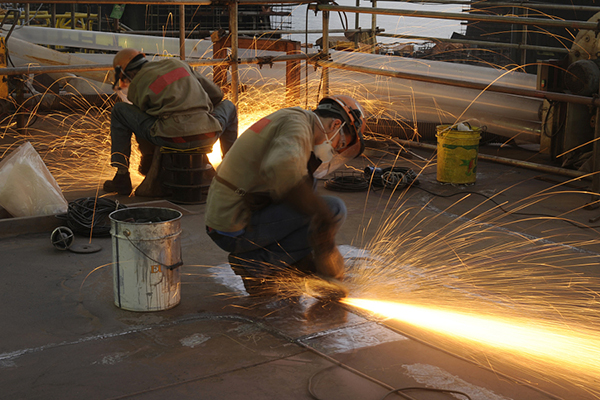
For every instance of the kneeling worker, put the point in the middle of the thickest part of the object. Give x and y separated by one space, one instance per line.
262 207
172 105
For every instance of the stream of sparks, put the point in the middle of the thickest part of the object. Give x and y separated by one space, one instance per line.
555 347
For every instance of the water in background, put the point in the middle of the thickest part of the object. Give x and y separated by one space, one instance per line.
390 24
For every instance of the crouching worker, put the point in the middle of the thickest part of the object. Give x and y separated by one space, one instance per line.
261 205
171 105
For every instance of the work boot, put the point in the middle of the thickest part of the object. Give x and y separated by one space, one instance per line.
121 183
145 164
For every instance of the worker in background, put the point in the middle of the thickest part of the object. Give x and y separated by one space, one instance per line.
262 207
171 105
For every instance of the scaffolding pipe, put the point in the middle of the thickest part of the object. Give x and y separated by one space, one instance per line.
325 47
145 2
182 32
195 63
507 161
373 27
528 4
233 28
584 25
478 43
563 97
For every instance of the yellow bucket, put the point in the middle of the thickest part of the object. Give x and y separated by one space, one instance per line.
457 154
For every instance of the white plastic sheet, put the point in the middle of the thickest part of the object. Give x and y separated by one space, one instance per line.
27 188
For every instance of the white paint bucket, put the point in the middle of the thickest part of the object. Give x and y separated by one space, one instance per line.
146 256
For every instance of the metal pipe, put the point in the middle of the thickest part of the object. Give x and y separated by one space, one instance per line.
325 47
465 84
147 2
477 42
295 32
182 32
357 16
373 27
206 33
530 5
584 25
524 41
193 63
233 28
507 161
53 16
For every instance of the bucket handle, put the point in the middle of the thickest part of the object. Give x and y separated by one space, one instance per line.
170 267
451 127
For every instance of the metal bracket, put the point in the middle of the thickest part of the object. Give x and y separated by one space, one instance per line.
265 60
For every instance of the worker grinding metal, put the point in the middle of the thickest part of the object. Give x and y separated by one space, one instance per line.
171 105
262 207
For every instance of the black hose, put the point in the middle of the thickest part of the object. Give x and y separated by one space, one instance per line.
89 215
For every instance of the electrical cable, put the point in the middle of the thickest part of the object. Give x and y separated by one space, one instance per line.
89 215
393 177
311 389
344 182
397 391
577 225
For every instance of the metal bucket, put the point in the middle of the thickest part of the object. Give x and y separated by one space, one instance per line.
146 256
457 154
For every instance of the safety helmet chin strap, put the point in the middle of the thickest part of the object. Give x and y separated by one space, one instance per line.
135 63
344 118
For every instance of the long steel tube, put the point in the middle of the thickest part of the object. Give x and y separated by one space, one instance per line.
182 32
233 30
585 25
108 67
530 5
507 161
592 101
478 43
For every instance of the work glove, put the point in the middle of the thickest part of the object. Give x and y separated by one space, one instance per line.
330 264
328 260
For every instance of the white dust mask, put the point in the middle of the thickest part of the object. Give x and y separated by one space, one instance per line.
325 150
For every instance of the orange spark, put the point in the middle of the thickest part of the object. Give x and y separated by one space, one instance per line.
551 346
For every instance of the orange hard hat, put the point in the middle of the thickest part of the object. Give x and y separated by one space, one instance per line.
127 60
124 57
350 112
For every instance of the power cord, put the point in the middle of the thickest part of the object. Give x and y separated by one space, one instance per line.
577 225
399 390
347 182
391 177
399 177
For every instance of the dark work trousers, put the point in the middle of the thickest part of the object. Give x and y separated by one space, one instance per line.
276 238
127 119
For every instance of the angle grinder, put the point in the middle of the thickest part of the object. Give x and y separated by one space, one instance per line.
325 289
